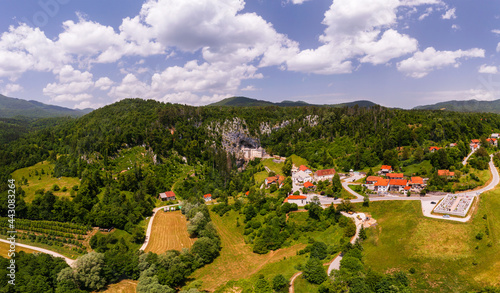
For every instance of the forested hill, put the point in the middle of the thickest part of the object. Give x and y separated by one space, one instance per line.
12 107
465 106
248 102
347 137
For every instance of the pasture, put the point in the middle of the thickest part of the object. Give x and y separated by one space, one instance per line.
42 181
169 231
447 256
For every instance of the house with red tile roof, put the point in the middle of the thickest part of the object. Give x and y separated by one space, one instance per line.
385 169
372 179
397 184
324 174
416 181
382 186
167 195
434 148
308 185
300 200
207 197
305 169
492 141
278 179
395 175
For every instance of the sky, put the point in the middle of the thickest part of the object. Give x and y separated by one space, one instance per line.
396 53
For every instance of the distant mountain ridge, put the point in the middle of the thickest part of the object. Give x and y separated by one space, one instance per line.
248 102
464 106
12 107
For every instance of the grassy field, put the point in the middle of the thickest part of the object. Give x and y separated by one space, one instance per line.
127 158
446 255
420 168
169 231
275 167
259 177
298 160
46 180
301 285
4 249
124 286
237 261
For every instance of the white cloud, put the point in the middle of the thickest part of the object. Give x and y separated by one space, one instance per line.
449 14
88 104
249 88
357 30
488 69
455 27
498 47
23 48
130 87
496 31
104 83
73 85
422 63
12 88
427 12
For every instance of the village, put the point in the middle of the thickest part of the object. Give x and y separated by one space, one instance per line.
387 184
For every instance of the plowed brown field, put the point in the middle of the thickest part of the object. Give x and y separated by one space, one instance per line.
169 231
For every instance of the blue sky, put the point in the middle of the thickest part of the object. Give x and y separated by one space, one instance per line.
397 53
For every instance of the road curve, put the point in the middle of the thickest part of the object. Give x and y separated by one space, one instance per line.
69 261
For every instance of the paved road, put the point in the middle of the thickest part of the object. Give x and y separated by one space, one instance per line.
150 224
350 180
69 261
464 162
335 264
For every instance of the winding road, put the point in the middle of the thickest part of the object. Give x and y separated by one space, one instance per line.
69 261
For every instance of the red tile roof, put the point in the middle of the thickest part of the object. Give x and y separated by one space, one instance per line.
398 182
434 148
373 178
395 175
491 139
417 180
271 179
445 173
308 184
169 194
296 197
386 167
247 193
382 182
303 168
407 188
325 172
207 195
475 140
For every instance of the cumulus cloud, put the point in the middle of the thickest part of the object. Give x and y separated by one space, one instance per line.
496 31
449 14
104 83
23 48
12 88
357 30
423 62
73 85
488 69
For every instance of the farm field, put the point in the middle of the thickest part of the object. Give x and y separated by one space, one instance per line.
447 256
124 286
4 249
275 167
237 260
46 180
169 231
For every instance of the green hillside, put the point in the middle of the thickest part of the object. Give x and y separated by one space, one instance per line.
465 106
12 107
248 102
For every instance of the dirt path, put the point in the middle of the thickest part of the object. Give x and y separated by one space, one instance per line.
69 261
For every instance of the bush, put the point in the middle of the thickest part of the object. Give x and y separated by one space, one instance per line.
479 236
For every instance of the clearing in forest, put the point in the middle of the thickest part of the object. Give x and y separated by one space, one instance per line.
169 231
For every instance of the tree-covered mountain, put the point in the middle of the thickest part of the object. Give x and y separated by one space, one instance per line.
12 107
465 106
248 102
